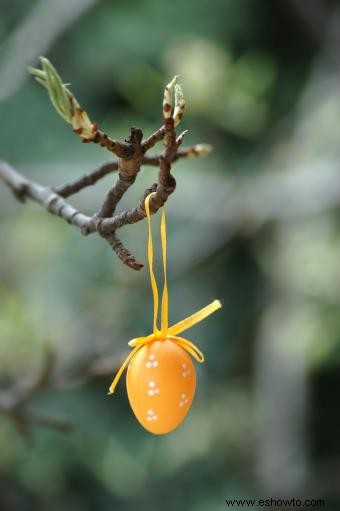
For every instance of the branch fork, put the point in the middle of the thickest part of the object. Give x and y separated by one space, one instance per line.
130 155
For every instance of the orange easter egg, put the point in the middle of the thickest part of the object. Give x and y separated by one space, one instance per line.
161 381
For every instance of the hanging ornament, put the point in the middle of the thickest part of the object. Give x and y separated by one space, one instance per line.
161 377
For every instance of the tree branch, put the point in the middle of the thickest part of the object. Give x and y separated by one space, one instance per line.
120 149
53 199
128 170
153 139
109 167
15 401
130 216
24 188
131 156
166 185
187 152
122 252
87 180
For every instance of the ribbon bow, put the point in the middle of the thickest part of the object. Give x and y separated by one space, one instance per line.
165 332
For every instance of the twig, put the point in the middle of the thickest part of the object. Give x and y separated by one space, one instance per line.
115 194
15 401
120 149
128 169
131 156
109 167
130 216
166 185
153 139
106 225
122 252
166 182
87 180
24 188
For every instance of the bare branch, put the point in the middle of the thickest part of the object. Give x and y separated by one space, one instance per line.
87 180
130 153
27 389
122 252
23 188
109 167
166 185
115 194
166 182
53 198
128 170
130 216
153 139
15 401
120 149
187 152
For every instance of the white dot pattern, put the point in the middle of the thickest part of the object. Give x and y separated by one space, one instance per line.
152 362
151 416
153 390
157 376
184 400
185 372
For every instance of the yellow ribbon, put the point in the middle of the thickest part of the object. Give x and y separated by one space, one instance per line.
165 332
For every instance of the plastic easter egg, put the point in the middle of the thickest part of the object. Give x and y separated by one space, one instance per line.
161 378
161 381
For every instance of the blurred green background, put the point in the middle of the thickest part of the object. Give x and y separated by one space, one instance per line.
255 224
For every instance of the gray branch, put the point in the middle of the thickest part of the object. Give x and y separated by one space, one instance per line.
50 200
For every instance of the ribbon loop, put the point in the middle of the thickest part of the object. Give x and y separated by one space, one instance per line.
189 346
165 296
150 259
194 318
165 332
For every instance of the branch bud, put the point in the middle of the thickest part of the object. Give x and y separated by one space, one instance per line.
200 150
168 98
63 100
179 105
